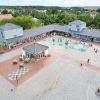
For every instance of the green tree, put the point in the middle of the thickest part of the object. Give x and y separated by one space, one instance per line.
1 45
4 11
25 21
98 10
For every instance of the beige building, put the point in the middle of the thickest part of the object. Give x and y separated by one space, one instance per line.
93 14
5 16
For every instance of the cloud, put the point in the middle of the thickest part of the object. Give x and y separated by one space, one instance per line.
65 3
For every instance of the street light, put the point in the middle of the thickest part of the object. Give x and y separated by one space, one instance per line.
17 79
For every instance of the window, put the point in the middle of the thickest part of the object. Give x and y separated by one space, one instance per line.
2 34
77 26
15 35
97 39
77 29
76 35
69 29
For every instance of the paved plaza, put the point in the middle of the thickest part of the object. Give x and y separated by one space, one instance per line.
61 77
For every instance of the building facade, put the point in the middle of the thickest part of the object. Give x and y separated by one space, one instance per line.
93 14
9 31
5 16
35 51
12 35
76 25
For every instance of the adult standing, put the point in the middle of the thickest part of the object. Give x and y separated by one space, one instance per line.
88 61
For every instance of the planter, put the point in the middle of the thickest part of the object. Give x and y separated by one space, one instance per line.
21 65
15 62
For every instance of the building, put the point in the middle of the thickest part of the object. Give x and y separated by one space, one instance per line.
93 14
35 19
35 51
76 25
87 35
12 35
10 31
5 16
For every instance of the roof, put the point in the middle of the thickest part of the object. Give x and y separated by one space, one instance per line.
35 48
44 29
5 16
76 22
15 39
54 27
38 31
9 26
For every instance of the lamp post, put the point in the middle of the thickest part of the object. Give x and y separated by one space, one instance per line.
17 79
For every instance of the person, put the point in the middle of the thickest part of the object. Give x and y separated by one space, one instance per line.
98 90
88 61
11 89
81 64
96 51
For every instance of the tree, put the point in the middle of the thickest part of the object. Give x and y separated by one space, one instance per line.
52 11
1 45
25 21
4 11
98 10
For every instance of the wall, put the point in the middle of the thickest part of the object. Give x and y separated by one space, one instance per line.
73 27
97 40
83 26
2 37
13 33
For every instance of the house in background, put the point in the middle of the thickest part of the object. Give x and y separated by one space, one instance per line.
10 31
35 19
5 16
76 26
93 14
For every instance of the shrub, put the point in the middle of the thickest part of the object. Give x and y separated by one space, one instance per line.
1 45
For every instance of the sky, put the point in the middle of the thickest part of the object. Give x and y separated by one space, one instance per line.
62 3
